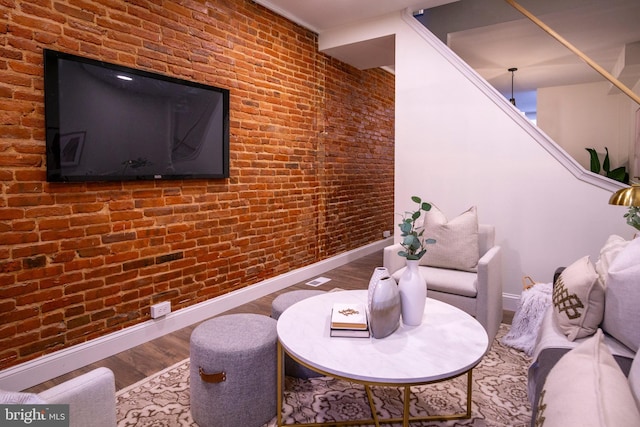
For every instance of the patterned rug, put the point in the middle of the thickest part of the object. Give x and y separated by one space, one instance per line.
499 397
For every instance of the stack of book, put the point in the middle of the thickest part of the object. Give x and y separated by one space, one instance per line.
349 320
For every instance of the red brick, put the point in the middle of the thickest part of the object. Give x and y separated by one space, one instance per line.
110 247
41 346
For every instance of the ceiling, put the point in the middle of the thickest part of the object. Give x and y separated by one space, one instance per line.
491 36
322 15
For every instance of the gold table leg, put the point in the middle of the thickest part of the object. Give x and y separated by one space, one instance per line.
406 418
372 406
407 401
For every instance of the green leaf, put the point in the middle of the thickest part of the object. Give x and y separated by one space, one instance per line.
412 235
633 217
619 174
408 240
415 244
595 161
605 164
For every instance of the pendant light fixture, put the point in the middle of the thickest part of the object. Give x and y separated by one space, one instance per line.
512 71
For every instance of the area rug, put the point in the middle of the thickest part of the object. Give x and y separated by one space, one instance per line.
499 397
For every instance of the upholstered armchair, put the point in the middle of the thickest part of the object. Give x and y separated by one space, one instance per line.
91 398
478 293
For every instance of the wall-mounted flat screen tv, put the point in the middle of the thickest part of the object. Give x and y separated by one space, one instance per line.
107 122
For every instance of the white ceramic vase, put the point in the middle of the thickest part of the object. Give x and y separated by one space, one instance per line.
378 273
413 294
384 308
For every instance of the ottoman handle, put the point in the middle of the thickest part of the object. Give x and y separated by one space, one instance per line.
217 377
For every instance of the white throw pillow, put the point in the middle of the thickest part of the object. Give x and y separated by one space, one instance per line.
578 300
19 398
456 244
608 253
586 388
622 305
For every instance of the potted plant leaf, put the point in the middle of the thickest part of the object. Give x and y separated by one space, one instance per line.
413 241
618 174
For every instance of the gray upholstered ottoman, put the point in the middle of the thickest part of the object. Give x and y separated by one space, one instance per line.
280 304
233 371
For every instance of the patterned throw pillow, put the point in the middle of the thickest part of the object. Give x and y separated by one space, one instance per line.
456 244
586 388
578 300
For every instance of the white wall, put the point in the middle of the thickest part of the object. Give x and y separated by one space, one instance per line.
586 115
460 143
634 151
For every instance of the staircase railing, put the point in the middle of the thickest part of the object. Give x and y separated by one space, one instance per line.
539 136
617 83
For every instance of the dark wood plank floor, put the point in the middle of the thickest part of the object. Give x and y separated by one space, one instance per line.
135 364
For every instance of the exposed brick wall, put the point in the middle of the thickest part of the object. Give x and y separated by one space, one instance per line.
311 169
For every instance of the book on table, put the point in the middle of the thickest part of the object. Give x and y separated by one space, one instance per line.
349 320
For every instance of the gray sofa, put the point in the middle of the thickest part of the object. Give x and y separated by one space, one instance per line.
91 398
618 329
552 344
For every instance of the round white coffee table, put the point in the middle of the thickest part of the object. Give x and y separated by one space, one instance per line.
448 343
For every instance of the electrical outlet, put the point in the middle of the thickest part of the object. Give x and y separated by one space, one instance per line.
160 309
386 233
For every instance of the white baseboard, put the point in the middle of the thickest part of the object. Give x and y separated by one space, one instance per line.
510 301
44 368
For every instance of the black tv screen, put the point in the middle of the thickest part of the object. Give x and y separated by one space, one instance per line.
106 122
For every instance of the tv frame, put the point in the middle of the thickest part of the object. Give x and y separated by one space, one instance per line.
52 120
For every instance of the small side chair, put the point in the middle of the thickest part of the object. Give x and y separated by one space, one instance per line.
477 293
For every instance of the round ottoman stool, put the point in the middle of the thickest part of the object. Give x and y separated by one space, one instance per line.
280 304
233 371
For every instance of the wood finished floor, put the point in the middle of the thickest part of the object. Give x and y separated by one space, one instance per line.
133 365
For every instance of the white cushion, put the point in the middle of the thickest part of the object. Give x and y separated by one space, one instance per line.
578 299
608 253
450 281
456 244
621 315
587 388
634 379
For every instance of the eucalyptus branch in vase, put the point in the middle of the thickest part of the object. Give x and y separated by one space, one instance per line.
413 241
